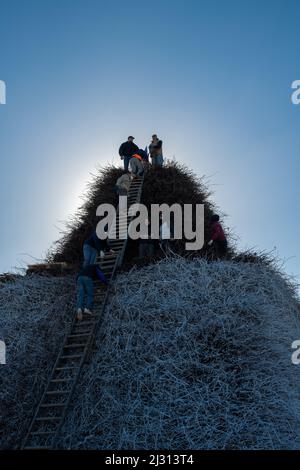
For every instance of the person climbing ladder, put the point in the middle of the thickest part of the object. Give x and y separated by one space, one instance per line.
92 247
85 288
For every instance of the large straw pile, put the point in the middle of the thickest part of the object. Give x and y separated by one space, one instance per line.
35 313
192 355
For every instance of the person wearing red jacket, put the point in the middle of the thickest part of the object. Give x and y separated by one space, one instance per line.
218 239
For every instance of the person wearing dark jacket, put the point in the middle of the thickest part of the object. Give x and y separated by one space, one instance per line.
126 150
92 247
217 239
85 288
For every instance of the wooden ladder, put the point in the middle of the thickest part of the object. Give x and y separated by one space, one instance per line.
76 348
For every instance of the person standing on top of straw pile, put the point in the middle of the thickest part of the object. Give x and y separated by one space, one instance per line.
85 288
218 239
126 150
92 247
155 149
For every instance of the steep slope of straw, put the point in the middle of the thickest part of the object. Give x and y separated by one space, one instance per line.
192 355
35 313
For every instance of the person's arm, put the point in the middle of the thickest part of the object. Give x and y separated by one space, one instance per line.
101 276
121 150
98 243
105 247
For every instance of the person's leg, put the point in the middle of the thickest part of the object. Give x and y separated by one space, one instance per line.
140 168
134 167
150 250
89 287
93 255
219 249
159 160
80 293
222 248
164 244
142 250
126 162
154 162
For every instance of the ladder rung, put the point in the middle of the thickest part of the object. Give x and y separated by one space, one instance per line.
111 256
82 328
73 356
53 405
122 223
54 392
61 380
48 418
41 433
66 368
78 335
87 322
70 346
36 448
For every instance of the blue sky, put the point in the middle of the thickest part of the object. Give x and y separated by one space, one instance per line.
213 79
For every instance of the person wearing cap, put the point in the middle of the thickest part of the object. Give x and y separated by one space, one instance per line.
126 150
155 149
217 239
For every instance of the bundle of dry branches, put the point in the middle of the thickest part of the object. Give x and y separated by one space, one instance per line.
192 355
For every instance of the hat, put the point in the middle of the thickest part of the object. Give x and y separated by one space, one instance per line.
130 137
